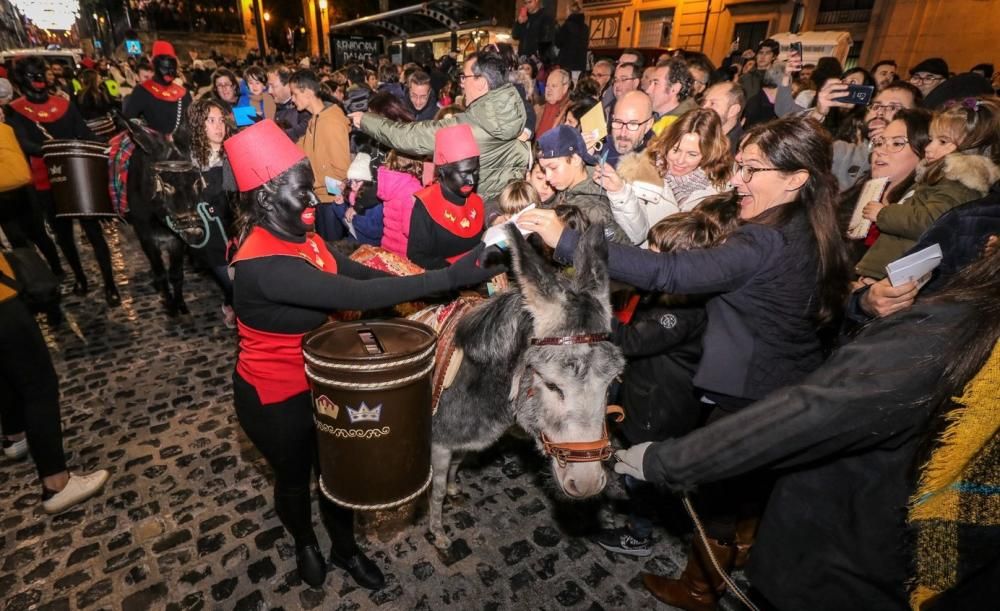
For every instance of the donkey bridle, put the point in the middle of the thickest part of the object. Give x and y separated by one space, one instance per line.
578 451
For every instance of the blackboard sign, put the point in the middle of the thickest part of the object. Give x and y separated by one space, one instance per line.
359 48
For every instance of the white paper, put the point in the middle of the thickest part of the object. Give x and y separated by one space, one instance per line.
916 267
496 235
871 192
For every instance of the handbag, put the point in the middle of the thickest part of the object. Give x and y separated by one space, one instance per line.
34 282
16 172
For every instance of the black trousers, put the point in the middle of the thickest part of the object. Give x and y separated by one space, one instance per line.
286 435
22 220
29 389
63 228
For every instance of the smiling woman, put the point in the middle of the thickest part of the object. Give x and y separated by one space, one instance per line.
693 157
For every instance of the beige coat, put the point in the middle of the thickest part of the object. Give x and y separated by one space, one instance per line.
327 144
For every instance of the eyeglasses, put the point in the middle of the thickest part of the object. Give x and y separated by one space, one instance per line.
880 107
632 126
625 80
462 77
746 173
892 146
929 78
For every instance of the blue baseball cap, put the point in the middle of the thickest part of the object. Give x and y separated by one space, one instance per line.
563 141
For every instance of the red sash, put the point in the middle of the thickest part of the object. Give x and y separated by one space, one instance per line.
464 221
49 111
272 362
39 173
170 93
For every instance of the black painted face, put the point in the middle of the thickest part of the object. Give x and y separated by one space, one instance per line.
291 208
164 69
460 177
33 81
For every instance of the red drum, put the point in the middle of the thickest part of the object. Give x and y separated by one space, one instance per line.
78 172
371 388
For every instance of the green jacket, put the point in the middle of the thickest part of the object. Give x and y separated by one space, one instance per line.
966 177
497 119
592 201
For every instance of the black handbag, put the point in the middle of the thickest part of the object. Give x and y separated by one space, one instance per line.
34 282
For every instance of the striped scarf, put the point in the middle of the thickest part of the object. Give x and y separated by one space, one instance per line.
683 187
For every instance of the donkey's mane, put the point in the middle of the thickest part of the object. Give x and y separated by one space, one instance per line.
496 331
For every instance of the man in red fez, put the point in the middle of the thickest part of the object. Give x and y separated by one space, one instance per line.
160 101
447 218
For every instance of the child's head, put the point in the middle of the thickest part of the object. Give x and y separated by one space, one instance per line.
517 196
536 176
971 126
400 163
707 225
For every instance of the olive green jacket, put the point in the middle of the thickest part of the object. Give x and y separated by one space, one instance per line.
966 178
497 119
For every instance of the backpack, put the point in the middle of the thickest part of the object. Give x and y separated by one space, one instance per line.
34 282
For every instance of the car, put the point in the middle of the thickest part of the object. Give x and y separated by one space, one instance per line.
66 57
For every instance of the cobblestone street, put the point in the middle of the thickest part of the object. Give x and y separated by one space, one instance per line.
186 520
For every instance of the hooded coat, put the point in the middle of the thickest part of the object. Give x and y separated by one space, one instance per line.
396 190
497 119
572 38
966 177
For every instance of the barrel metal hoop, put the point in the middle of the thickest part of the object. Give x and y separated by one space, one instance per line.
369 385
403 501
371 366
76 154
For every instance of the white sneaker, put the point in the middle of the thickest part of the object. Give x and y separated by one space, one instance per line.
79 488
16 449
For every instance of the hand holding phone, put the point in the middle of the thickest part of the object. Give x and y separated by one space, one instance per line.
859 95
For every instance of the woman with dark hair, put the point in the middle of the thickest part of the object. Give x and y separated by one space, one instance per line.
327 145
776 282
859 518
225 88
93 99
576 110
286 282
209 125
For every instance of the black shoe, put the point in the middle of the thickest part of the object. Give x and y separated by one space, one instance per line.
622 541
365 572
111 296
80 287
312 568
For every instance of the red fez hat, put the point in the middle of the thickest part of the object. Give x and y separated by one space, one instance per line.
259 153
88 63
454 143
162 47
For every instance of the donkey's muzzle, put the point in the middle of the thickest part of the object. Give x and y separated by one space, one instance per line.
583 451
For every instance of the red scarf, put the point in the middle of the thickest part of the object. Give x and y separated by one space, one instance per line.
170 93
550 117
49 111
464 221
272 362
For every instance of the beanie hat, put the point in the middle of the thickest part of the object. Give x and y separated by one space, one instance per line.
933 65
454 143
260 153
361 168
563 141
162 47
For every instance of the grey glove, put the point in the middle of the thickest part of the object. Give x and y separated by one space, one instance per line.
629 461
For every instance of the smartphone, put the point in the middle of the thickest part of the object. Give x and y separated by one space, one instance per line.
859 95
796 47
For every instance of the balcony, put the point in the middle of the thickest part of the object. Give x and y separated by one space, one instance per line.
843 17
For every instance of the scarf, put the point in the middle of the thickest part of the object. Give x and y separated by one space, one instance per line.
955 512
683 187
550 117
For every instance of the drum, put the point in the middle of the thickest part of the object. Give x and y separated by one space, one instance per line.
78 172
103 127
371 388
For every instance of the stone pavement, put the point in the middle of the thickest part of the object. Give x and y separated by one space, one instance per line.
186 520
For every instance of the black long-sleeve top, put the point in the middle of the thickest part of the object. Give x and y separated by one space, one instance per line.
70 126
430 245
160 115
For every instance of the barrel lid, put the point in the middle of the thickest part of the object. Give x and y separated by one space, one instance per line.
368 341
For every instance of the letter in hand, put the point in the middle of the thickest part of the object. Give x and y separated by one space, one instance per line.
629 461
543 222
871 210
882 299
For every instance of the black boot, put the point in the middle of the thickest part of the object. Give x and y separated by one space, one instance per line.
80 287
312 568
111 295
365 572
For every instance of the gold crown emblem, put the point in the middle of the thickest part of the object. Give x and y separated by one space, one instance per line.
326 407
365 413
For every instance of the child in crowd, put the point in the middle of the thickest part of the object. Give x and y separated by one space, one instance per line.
364 223
514 198
536 176
662 343
398 181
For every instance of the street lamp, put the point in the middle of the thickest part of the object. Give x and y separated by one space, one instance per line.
267 16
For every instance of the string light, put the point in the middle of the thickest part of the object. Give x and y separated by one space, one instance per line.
50 14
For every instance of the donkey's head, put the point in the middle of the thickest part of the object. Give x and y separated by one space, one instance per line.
560 388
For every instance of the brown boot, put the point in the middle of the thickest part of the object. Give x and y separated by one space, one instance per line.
746 533
700 586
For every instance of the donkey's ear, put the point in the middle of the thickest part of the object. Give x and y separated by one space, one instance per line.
591 263
539 285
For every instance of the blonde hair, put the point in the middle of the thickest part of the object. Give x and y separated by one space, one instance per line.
400 163
973 125
517 196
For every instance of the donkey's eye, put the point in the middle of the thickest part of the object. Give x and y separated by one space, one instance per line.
552 387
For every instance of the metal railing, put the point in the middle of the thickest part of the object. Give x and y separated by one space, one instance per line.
838 17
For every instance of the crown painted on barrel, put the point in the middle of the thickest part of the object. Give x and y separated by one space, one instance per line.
454 143
364 413
259 153
326 407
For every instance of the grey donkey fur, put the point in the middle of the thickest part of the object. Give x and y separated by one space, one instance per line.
490 391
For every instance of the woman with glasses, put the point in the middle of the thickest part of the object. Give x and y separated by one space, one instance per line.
775 284
225 88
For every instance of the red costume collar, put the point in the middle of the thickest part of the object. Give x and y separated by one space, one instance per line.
262 243
464 221
49 111
170 93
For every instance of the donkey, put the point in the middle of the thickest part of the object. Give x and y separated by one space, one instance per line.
538 356
163 189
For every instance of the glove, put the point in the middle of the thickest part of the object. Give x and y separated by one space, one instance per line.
629 461
472 269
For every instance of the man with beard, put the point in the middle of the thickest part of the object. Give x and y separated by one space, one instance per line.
160 101
728 100
631 126
852 160
289 118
